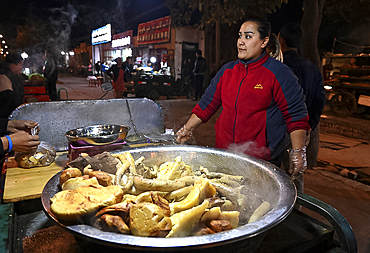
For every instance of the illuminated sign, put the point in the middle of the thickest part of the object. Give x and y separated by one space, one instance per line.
156 31
101 35
122 39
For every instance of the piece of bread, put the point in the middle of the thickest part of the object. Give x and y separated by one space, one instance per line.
76 182
74 204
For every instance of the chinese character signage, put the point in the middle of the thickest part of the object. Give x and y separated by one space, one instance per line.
122 39
101 35
156 31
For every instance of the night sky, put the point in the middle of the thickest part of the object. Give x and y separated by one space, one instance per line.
72 21
77 18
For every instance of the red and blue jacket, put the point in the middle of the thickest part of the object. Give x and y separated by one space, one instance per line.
261 101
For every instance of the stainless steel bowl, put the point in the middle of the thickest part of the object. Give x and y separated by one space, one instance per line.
98 134
263 180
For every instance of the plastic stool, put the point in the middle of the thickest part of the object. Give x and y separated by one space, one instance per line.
65 91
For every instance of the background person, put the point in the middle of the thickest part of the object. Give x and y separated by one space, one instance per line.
104 69
51 75
117 73
261 100
97 67
311 81
128 67
199 70
90 69
11 85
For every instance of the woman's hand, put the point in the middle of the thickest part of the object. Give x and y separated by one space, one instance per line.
298 157
24 142
183 135
21 125
298 162
186 132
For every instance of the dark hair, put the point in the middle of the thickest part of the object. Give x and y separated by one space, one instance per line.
264 26
13 58
199 52
274 47
292 34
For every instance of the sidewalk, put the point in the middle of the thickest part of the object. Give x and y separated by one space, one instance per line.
78 89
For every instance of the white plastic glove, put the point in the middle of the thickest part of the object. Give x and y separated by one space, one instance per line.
183 135
298 162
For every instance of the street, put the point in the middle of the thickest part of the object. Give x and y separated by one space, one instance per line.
338 154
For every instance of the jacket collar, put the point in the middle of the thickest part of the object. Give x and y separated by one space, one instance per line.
255 63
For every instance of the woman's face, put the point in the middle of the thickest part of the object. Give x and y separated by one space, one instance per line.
249 44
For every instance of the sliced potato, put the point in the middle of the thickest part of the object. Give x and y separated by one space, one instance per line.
184 222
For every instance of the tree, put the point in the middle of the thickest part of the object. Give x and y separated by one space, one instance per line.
311 22
213 14
348 22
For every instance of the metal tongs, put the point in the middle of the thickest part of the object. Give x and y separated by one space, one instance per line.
35 130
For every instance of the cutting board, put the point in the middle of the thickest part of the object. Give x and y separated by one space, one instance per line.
22 184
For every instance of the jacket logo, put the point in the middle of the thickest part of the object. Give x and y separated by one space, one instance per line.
258 86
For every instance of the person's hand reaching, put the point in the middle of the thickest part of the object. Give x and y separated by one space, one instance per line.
183 135
24 142
22 125
298 162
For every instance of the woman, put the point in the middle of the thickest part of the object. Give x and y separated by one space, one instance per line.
261 101
118 71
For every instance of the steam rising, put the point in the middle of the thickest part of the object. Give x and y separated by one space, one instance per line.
249 148
52 33
61 20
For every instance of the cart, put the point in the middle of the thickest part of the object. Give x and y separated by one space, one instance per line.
154 86
348 83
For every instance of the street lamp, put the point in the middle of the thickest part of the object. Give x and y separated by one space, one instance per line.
24 55
153 59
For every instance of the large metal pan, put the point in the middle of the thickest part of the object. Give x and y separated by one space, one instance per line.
264 180
98 134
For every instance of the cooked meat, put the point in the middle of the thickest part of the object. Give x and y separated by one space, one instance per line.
105 162
103 177
80 162
69 173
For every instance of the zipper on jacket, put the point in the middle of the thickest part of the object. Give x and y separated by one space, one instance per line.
236 100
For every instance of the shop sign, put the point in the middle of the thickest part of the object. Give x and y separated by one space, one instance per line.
122 39
101 35
156 31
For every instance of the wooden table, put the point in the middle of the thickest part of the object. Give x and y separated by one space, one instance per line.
23 184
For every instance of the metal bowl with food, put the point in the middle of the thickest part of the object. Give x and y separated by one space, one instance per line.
98 134
264 181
